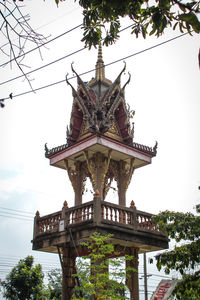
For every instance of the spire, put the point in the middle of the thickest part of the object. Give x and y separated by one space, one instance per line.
100 68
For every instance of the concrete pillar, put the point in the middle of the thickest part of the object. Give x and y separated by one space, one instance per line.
122 191
97 208
35 228
78 191
68 269
132 280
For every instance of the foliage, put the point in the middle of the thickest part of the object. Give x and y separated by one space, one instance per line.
54 284
24 281
99 15
184 228
189 287
95 282
16 35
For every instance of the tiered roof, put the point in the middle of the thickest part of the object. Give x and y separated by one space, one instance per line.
99 107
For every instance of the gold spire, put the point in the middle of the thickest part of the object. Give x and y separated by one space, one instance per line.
100 68
99 71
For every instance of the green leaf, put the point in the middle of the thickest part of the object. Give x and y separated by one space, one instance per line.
182 7
191 18
153 30
144 32
191 4
174 27
157 19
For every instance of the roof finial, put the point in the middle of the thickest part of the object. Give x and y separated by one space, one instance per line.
100 57
100 69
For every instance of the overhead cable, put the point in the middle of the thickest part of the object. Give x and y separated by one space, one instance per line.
52 62
39 46
17 210
19 218
108 64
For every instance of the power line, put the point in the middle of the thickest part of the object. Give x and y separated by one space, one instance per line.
12 217
13 257
14 214
57 18
108 64
44 66
39 46
53 62
164 276
17 210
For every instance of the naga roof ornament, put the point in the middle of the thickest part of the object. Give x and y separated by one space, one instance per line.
99 107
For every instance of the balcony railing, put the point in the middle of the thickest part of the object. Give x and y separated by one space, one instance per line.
49 223
97 212
79 214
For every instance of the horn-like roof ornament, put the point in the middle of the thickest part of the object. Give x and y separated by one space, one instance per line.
127 82
82 84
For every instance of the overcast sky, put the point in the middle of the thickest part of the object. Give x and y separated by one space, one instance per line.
164 92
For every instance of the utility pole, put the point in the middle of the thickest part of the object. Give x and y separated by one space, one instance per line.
145 278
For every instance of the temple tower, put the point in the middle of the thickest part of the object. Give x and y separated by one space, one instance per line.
100 146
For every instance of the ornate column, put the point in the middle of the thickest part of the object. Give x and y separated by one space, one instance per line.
132 277
98 166
122 174
77 178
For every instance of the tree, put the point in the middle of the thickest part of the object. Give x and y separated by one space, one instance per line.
100 277
16 35
184 228
24 281
54 284
99 15
104 16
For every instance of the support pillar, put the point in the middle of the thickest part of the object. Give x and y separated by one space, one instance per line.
68 269
121 184
98 166
97 208
76 177
132 280
125 173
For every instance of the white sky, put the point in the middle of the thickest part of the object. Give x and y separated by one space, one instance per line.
164 92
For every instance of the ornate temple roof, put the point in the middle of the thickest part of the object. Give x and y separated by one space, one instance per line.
99 107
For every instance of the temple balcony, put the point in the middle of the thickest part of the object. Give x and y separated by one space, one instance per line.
130 227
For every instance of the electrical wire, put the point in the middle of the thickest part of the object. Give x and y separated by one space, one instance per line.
57 18
44 66
18 218
16 214
42 45
53 62
108 64
17 210
13 257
